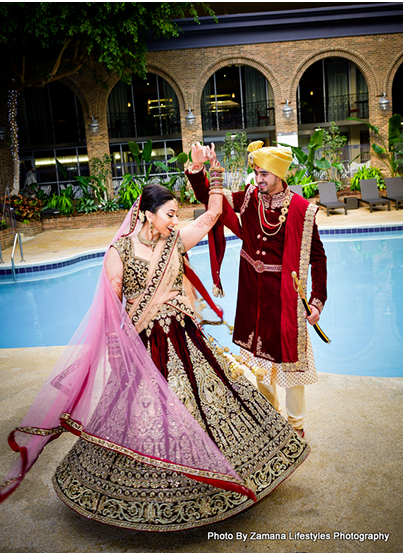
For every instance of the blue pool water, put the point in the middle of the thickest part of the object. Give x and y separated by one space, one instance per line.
363 315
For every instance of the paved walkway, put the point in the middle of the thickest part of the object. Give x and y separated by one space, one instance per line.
350 485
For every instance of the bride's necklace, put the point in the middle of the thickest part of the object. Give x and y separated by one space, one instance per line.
281 218
147 242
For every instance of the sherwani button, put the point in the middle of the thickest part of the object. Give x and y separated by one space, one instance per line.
263 252
258 236
257 252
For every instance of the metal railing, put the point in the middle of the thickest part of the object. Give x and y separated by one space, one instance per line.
227 116
333 108
17 236
156 174
122 125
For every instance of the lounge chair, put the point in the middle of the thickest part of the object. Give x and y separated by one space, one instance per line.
328 197
394 189
296 189
370 194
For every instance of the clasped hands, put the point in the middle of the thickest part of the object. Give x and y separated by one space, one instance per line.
203 153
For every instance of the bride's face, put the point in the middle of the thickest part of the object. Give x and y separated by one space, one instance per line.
165 219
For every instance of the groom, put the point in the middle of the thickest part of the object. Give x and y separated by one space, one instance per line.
279 236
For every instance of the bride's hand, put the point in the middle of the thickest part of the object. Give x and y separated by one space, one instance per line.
200 154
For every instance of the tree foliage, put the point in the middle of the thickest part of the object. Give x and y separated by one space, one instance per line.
234 150
41 42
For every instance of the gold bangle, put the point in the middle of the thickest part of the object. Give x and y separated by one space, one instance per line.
218 169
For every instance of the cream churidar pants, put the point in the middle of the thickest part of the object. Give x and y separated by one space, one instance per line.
294 402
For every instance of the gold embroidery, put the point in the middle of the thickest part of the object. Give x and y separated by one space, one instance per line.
248 194
40 431
302 363
154 282
277 200
247 345
144 459
111 484
228 196
260 266
135 269
180 384
318 303
260 352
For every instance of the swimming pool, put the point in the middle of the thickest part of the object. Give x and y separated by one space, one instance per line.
363 316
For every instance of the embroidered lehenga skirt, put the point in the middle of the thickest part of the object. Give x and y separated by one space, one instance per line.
263 448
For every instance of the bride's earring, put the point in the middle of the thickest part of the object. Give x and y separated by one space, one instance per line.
151 226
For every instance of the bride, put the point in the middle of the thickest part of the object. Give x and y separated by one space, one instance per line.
171 434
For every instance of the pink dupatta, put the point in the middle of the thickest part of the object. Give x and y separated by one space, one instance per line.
106 389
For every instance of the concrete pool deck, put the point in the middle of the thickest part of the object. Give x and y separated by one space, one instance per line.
351 482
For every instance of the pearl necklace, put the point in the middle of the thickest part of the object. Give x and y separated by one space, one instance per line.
146 242
281 218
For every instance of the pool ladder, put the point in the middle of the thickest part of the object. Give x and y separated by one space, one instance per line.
17 236
9 212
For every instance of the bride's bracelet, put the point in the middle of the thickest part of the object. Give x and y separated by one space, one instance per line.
216 177
196 168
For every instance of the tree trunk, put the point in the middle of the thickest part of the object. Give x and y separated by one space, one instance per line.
12 114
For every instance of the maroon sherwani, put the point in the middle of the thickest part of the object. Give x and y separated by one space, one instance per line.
270 318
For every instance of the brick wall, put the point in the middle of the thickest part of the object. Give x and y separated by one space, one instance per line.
85 221
6 238
282 63
30 229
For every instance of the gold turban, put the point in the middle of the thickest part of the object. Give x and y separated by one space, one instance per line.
273 159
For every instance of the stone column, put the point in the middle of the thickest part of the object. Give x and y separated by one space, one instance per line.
93 95
380 120
190 135
286 130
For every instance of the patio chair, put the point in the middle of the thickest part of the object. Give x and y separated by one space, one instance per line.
370 194
296 189
328 198
394 189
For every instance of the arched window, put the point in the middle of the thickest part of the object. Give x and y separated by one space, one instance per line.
237 97
49 116
332 89
397 87
144 108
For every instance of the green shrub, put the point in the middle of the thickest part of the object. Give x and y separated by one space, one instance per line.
63 203
86 206
367 172
25 208
309 187
110 205
129 191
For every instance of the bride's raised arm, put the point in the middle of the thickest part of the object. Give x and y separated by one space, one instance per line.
195 231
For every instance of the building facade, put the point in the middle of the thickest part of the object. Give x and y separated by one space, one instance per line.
242 73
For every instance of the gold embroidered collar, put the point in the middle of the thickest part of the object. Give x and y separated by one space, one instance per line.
275 201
